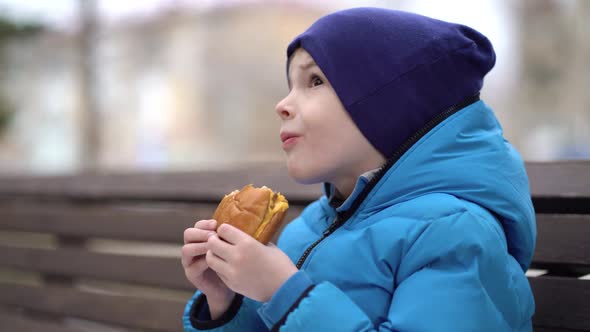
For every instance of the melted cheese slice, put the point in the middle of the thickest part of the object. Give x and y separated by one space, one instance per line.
278 203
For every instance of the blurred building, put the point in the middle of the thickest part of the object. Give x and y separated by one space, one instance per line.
555 79
187 89
181 90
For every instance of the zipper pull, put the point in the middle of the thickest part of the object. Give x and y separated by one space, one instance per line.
333 226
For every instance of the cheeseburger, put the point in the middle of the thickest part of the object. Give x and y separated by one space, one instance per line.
258 212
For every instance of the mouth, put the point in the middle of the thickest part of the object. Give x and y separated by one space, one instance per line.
289 139
285 136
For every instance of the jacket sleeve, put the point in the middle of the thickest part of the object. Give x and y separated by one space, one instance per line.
452 278
241 316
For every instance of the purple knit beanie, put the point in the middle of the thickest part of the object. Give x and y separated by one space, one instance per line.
395 71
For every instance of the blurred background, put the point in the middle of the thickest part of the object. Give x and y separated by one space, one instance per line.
93 86
110 85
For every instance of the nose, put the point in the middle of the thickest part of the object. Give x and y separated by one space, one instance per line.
284 108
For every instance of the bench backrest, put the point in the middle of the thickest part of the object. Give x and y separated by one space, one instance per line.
103 250
561 195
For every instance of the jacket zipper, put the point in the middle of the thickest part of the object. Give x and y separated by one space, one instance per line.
331 229
341 218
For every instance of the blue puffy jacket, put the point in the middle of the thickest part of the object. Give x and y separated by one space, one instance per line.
440 242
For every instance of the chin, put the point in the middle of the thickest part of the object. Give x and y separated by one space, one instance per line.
302 174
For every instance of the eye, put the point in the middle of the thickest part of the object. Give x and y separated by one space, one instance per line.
316 80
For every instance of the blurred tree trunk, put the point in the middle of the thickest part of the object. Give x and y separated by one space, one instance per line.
11 30
547 46
555 76
583 72
90 121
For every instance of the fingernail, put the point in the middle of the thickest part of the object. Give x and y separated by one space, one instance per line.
210 234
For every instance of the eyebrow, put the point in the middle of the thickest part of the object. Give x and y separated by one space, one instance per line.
302 67
307 65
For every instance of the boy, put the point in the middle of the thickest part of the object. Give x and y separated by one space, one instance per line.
426 223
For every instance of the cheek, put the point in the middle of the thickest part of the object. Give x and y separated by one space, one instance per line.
318 158
326 146
306 163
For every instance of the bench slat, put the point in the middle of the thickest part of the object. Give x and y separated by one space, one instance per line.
563 239
207 186
141 224
561 186
109 221
13 322
561 303
547 180
127 311
554 179
145 270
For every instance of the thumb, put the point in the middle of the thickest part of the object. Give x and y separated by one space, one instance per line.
231 234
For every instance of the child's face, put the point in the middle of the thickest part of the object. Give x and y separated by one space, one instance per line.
326 145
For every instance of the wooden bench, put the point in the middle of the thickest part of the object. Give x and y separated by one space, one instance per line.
101 252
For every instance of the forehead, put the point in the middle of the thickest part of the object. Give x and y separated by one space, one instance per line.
300 60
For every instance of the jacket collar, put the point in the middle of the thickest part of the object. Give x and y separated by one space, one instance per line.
340 203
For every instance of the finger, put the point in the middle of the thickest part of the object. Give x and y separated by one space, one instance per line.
196 235
224 279
216 263
196 263
208 224
231 234
220 248
191 250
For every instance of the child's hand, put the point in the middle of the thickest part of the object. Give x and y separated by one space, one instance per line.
219 296
247 266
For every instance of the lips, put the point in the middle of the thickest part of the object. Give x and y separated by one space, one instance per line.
287 135
289 139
